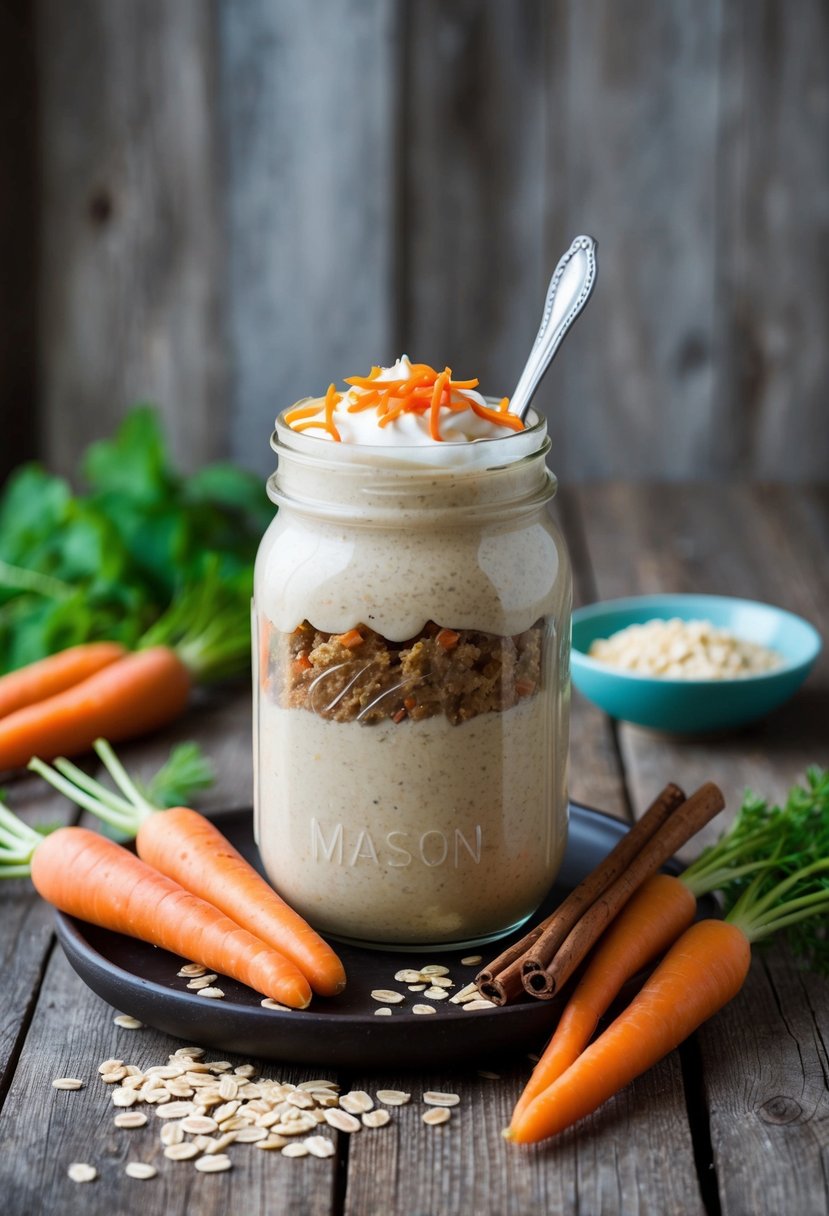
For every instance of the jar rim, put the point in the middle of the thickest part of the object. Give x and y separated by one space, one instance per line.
456 457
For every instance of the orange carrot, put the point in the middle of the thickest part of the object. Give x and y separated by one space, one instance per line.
502 417
703 971
137 693
189 849
448 639
88 876
441 382
352 639
654 918
55 673
332 397
787 854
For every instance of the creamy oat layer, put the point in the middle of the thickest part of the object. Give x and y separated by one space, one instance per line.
416 832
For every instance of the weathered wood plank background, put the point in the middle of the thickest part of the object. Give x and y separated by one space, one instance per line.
240 200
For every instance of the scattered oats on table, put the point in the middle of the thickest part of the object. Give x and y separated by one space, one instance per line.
436 1098
423 1009
356 1101
67 1083
320 1146
436 1114
79 1171
181 1152
392 1097
127 1022
140 1169
213 1164
342 1120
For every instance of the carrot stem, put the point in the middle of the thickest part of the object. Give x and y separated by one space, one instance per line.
119 806
122 779
17 827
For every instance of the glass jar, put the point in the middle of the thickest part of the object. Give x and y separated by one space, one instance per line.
411 626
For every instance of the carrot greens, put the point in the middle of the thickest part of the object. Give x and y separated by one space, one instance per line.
185 772
108 562
772 869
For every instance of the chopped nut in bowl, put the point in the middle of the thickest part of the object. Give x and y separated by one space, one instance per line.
690 664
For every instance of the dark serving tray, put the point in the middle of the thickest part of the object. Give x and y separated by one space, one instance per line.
342 1031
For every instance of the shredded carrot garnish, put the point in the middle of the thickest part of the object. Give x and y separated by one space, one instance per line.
301 411
448 638
365 401
504 419
424 391
410 703
306 426
399 716
302 663
332 397
524 688
352 639
444 379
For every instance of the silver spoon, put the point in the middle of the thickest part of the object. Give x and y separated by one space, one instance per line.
570 287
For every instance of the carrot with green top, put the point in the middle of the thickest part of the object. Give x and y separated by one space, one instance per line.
788 854
189 849
201 637
662 908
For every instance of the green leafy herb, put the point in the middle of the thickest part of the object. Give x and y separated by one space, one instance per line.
772 869
111 562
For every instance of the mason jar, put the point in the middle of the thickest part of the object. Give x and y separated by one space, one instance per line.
411 623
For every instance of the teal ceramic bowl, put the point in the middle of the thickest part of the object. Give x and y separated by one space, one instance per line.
692 706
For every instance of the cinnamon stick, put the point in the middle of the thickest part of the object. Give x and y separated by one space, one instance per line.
502 979
701 807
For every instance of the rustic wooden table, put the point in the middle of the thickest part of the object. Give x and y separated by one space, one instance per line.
734 1122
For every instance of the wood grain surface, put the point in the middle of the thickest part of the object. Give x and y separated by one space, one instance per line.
130 247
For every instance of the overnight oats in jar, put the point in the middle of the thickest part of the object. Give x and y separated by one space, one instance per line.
411 649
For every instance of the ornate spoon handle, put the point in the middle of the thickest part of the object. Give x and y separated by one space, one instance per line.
570 287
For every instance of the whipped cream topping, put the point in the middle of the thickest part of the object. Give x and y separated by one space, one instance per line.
406 428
